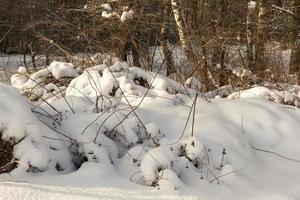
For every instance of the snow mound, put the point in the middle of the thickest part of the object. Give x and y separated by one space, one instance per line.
153 162
289 95
20 126
60 70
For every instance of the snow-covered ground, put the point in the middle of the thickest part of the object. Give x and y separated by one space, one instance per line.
16 60
21 191
121 132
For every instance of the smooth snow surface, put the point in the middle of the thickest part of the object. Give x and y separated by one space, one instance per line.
21 191
122 133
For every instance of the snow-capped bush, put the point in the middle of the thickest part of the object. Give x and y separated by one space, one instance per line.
39 85
21 127
60 70
119 78
194 151
153 162
127 15
106 6
168 180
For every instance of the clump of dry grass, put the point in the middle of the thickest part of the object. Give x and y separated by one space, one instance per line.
6 155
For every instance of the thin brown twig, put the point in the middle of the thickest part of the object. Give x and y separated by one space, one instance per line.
277 154
226 174
186 123
193 119
63 134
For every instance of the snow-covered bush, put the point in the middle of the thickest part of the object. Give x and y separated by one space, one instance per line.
118 134
26 133
153 162
48 83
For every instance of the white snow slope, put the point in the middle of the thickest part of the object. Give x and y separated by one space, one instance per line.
246 148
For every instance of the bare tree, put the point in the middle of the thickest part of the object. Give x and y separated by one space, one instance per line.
251 26
295 56
182 31
166 15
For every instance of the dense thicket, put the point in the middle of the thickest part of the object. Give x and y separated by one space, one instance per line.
211 33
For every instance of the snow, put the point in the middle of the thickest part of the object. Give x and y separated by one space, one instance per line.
252 4
153 129
123 132
193 83
18 80
21 191
36 84
194 149
13 61
127 15
60 70
289 95
22 70
106 6
153 162
106 14
19 125
168 180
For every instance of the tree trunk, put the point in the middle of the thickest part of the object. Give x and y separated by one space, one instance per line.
182 31
47 59
164 37
218 51
251 18
287 34
295 56
261 36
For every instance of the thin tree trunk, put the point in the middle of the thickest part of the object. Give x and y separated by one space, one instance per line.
287 35
182 31
164 37
33 54
261 37
218 51
251 18
47 59
295 56
24 59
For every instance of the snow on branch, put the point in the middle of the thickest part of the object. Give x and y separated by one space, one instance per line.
283 9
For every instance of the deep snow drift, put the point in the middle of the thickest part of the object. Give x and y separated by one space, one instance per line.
122 127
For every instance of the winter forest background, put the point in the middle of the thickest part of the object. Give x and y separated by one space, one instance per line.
215 36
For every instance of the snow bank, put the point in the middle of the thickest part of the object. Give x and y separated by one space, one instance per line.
289 95
123 124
